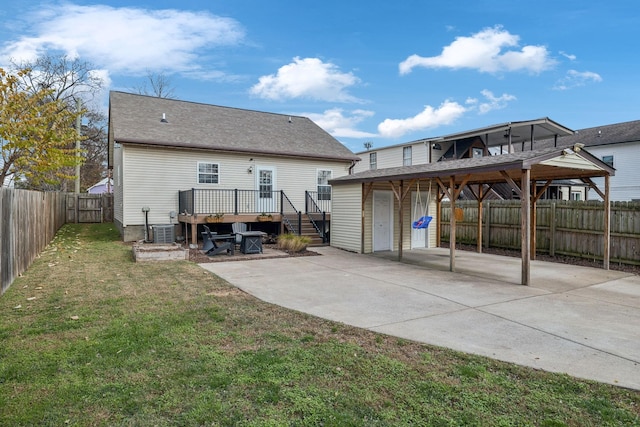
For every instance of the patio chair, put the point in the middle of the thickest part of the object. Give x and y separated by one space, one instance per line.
213 247
238 227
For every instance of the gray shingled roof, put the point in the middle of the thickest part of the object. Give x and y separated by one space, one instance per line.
137 119
476 165
600 135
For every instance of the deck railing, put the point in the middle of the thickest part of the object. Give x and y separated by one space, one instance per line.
291 217
209 201
317 202
317 216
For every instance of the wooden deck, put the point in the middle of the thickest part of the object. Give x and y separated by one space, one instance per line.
195 220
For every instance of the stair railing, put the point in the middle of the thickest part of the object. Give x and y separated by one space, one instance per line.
287 209
312 208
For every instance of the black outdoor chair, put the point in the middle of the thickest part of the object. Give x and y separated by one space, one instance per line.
214 244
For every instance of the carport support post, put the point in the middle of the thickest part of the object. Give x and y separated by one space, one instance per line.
607 224
452 223
479 239
525 226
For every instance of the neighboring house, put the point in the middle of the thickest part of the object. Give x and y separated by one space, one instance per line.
618 145
103 186
492 140
177 161
406 154
380 207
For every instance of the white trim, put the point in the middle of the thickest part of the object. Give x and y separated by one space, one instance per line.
198 173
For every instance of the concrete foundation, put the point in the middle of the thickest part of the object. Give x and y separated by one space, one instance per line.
143 252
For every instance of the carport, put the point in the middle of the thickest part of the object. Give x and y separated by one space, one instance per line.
522 171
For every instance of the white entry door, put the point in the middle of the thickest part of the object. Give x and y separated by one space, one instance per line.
419 236
267 197
382 220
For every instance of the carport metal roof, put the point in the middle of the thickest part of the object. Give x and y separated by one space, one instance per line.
513 132
519 170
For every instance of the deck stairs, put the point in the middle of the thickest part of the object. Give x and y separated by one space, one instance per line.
307 229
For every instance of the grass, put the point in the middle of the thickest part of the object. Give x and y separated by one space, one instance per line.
110 342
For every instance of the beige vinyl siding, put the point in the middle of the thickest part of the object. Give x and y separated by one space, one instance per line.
117 185
153 176
407 219
346 217
389 157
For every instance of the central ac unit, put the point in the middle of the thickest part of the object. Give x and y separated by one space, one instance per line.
164 233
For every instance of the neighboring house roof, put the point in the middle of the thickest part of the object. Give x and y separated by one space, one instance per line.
549 163
543 128
102 182
617 133
138 119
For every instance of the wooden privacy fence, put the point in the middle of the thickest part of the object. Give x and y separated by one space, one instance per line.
29 220
573 228
89 208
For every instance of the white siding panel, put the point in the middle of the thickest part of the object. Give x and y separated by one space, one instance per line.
625 184
117 185
407 224
391 157
153 176
346 225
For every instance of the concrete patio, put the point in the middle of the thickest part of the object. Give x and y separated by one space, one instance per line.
578 320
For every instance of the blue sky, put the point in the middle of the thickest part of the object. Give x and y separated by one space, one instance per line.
387 72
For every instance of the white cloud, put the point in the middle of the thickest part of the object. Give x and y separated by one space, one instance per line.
569 56
493 102
307 78
486 51
341 124
127 39
430 117
575 78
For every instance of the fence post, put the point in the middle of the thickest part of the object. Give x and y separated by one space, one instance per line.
487 223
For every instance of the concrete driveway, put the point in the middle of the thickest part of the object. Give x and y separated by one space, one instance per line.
578 320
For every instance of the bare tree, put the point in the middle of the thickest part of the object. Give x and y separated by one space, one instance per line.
69 80
158 85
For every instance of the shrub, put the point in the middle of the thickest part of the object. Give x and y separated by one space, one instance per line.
293 243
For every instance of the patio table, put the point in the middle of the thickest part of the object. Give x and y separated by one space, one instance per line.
251 242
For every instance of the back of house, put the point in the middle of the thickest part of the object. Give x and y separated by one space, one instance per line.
175 160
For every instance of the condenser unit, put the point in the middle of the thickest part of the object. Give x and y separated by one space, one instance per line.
164 233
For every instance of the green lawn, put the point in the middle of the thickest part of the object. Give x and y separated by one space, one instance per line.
90 338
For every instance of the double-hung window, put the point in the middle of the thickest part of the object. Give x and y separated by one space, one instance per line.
406 156
208 173
373 160
608 160
324 189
